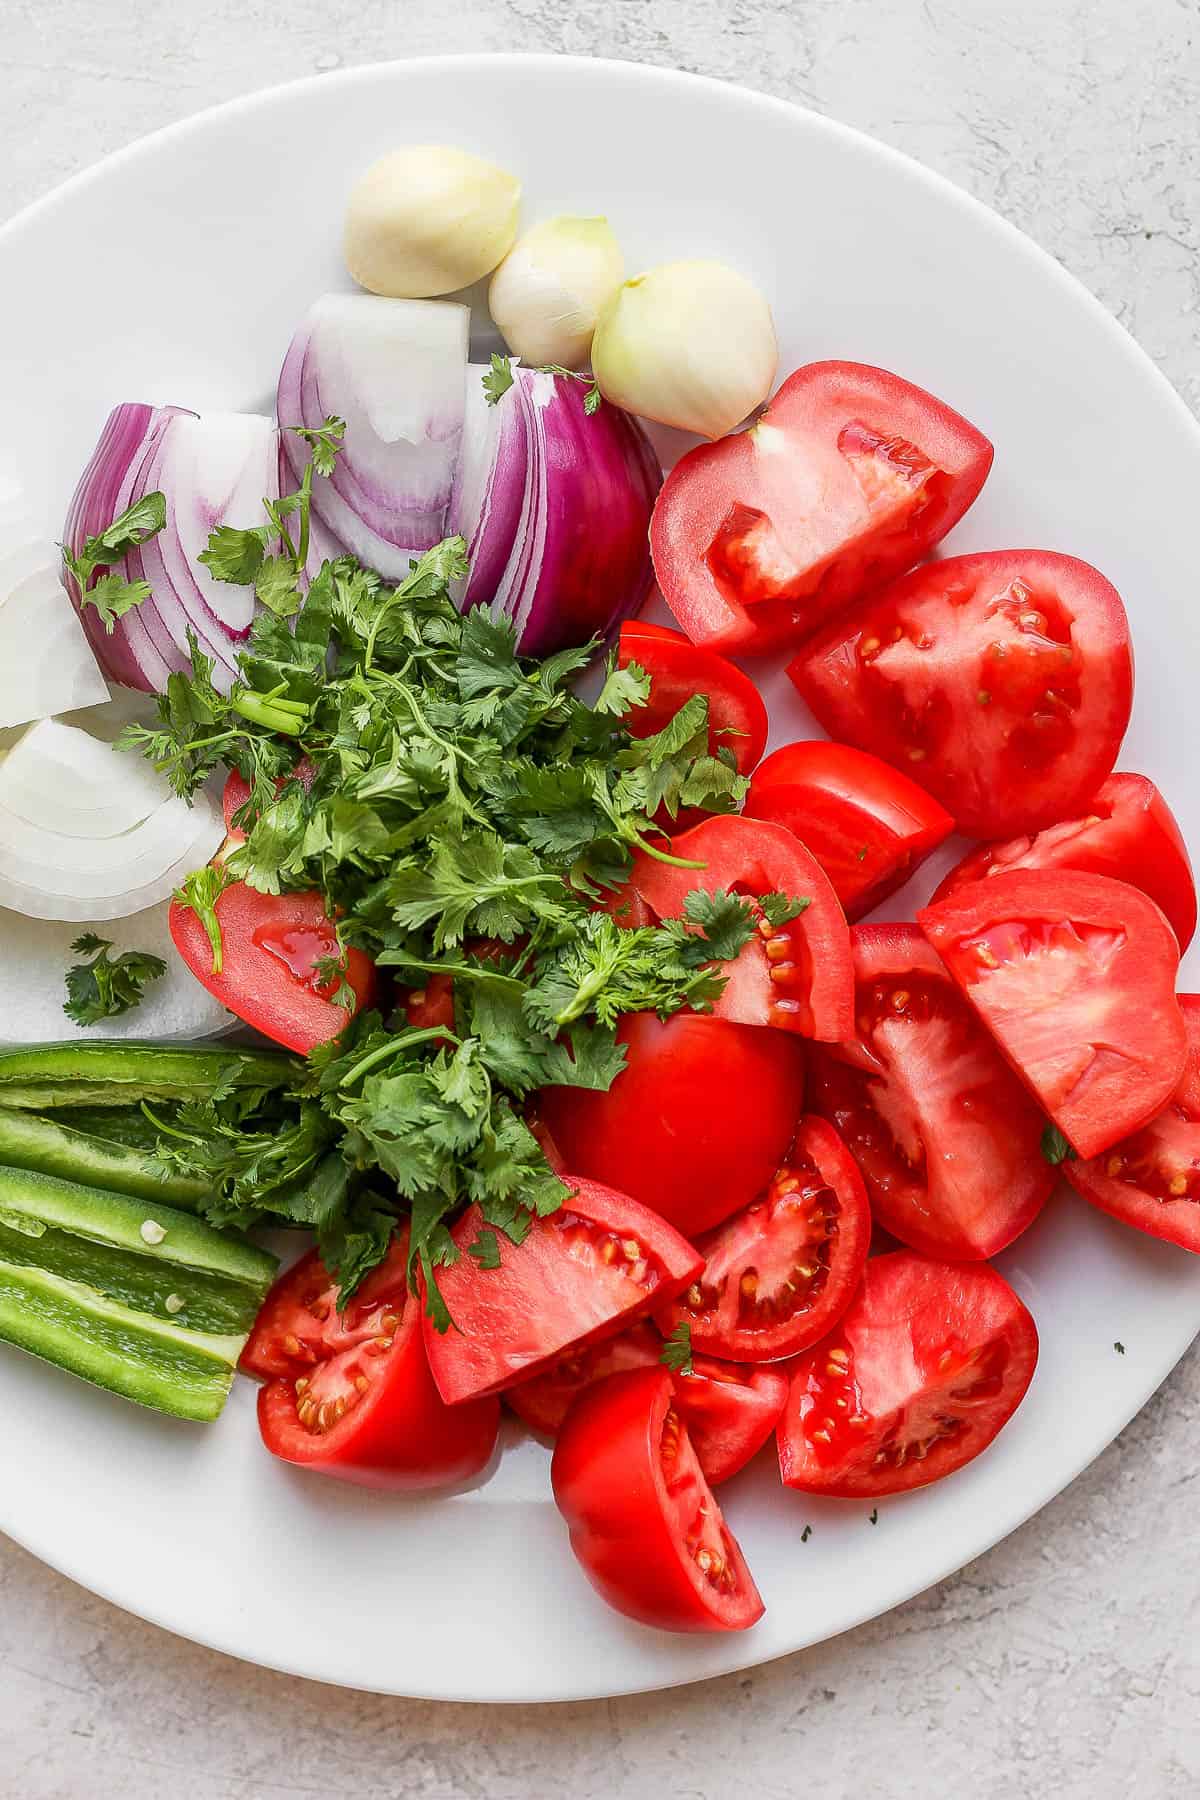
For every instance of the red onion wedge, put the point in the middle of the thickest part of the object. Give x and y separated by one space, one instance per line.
215 470
395 371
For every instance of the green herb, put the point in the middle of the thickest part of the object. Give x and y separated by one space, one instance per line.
107 986
873 1516
467 810
1055 1147
112 596
806 1534
201 891
781 909
1119 1348
677 1351
499 378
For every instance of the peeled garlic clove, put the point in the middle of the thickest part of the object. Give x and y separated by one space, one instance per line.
425 220
690 344
548 291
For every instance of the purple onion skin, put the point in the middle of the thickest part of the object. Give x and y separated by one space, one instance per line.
602 479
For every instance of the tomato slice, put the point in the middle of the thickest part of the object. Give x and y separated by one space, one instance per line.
931 1360
947 1138
850 476
798 976
644 1525
1074 976
271 947
867 824
678 669
350 1394
729 1409
697 1122
602 1261
780 1273
1151 1180
1002 682
1127 830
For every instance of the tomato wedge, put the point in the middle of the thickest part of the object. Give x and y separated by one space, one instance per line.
1002 682
780 1273
867 824
271 946
948 1140
697 1122
1127 830
1074 976
1152 1179
644 1525
600 1262
850 476
797 976
729 1410
350 1394
929 1363
678 669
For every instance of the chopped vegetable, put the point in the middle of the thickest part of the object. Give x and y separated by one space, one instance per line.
108 986
110 1073
46 663
74 1147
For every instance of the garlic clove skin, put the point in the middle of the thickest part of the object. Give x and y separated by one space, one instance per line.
690 344
427 220
548 292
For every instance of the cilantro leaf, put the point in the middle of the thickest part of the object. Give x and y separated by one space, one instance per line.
498 378
485 1248
1055 1147
677 1351
234 555
623 690
113 598
780 909
106 987
324 441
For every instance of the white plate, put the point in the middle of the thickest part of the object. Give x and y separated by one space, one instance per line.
176 272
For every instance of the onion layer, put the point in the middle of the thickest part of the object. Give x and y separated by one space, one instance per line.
46 664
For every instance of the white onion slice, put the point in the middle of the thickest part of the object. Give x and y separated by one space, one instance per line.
88 832
395 371
36 953
46 662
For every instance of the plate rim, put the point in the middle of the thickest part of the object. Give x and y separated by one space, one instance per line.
650 75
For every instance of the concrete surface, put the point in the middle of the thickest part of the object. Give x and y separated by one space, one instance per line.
1063 1664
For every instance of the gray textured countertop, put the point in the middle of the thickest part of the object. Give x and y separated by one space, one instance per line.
1063 1664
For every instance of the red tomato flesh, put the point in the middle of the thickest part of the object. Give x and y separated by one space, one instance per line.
1074 976
867 824
678 669
602 1261
729 1409
644 1524
1127 830
271 945
780 1273
797 976
931 1360
850 477
350 1394
696 1123
946 1137
237 789
1152 1179
1002 682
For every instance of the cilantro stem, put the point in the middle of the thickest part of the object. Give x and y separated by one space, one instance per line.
403 1040
676 862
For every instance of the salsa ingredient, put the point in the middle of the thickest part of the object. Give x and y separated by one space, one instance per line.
946 1137
100 1073
96 1150
929 1363
546 295
780 1273
849 478
1074 976
107 986
666 1132
518 1301
689 344
86 1276
1151 1180
1002 682
869 826
348 1391
678 670
46 663
427 220
1126 830
644 1524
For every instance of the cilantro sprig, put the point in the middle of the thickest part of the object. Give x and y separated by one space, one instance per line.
106 986
98 584
498 378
